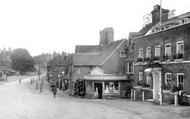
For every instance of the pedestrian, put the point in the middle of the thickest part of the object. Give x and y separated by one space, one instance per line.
54 90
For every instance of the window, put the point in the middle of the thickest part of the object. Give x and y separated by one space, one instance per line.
140 53
185 20
148 52
180 47
168 49
148 79
111 87
168 80
129 67
140 76
123 53
157 51
180 81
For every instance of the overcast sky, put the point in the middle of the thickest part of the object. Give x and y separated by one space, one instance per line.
58 25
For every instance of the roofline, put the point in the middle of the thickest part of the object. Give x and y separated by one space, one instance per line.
82 65
160 31
112 52
87 53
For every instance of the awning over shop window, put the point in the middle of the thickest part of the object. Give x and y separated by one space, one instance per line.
106 77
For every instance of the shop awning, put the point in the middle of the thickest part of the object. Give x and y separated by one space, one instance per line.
106 77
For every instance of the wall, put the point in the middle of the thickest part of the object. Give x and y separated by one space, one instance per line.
115 64
180 33
79 71
169 36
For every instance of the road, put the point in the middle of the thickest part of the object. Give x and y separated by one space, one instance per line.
23 101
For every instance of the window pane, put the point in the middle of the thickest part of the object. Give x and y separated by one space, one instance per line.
111 87
157 51
168 50
140 53
140 76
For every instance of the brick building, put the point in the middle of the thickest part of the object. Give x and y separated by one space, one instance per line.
102 66
162 57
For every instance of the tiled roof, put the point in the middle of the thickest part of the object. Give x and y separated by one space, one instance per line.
86 48
91 59
173 21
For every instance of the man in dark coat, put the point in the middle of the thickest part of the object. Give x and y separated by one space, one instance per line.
54 90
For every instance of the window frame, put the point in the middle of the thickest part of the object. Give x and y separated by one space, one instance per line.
123 53
129 68
170 50
148 79
166 79
111 91
141 49
178 83
148 50
177 43
140 73
158 46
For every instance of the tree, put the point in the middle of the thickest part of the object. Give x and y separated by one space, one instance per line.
22 60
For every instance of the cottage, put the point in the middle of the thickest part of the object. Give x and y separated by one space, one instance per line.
102 67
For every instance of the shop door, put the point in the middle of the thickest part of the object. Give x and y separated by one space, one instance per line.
99 88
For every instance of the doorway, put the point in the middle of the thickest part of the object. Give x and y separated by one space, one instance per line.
98 87
157 96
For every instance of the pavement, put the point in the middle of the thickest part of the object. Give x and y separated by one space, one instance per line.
23 101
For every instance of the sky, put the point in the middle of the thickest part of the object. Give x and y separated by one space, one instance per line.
45 26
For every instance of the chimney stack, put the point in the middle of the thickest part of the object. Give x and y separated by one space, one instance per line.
156 14
106 36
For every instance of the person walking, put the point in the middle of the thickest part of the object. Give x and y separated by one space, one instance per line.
54 90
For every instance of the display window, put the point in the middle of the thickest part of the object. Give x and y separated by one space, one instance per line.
111 88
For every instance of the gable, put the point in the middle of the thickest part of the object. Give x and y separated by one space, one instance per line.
97 71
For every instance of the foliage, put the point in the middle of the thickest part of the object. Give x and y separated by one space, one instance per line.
22 60
60 60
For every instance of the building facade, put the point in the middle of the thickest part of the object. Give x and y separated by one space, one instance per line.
162 60
102 66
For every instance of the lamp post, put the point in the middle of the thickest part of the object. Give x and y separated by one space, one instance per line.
6 65
63 83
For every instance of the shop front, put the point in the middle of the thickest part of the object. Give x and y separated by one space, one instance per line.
105 86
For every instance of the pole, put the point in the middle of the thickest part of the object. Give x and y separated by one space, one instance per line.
6 64
160 12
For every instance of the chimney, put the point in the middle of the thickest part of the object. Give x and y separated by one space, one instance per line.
106 36
156 14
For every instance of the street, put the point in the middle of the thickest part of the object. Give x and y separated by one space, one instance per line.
23 101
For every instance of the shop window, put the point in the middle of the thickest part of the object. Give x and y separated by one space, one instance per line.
180 81
168 80
111 88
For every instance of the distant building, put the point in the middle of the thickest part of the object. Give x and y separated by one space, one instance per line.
162 57
102 66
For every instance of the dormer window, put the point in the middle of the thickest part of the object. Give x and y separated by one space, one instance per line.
185 20
123 53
